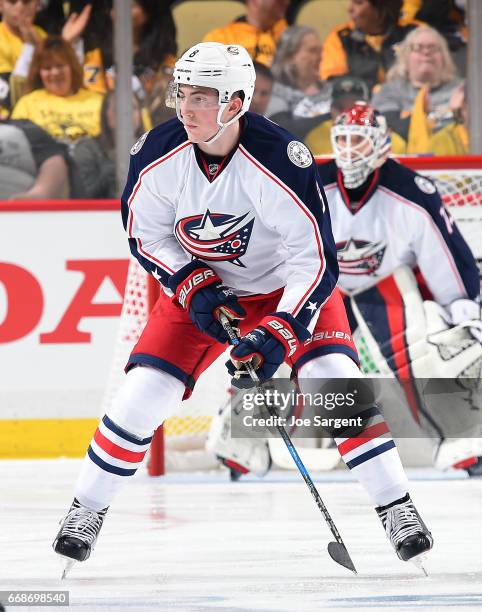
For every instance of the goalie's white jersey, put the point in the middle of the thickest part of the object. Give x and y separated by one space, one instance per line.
400 220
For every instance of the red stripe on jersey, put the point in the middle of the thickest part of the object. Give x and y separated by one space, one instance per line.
152 258
117 451
307 212
133 194
370 433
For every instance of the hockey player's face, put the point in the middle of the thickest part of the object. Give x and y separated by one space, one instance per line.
199 108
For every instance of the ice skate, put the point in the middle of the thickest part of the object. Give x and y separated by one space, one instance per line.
78 534
406 531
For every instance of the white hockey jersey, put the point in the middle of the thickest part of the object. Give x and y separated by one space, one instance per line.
400 220
261 222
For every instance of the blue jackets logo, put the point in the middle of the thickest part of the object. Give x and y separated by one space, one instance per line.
215 236
359 256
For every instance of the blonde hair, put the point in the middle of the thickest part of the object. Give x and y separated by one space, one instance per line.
399 70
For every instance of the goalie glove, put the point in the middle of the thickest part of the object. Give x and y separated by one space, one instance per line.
276 338
465 311
200 291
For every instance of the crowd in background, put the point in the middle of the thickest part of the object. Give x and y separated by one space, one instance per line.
57 75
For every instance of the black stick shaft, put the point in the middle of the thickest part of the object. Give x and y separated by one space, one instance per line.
291 448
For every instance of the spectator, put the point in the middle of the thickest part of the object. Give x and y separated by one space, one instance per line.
263 89
95 157
299 98
57 102
154 34
364 47
449 19
258 31
18 39
426 10
415 99
32 164
453 139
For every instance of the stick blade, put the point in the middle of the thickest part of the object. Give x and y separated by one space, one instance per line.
339 554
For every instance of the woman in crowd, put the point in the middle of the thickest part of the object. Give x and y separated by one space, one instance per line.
447 17
364 47
416 97
57 102
299 98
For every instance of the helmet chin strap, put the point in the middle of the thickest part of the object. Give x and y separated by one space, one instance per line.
216 135
222 126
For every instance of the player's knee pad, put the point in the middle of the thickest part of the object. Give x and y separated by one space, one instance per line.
146 399
252 454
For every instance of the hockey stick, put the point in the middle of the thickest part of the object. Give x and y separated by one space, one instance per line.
337 550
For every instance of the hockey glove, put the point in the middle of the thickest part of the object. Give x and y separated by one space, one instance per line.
462 311
200 291
277 337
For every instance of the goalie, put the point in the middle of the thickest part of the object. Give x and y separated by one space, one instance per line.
396 244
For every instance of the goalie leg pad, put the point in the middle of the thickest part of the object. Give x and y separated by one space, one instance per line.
252 454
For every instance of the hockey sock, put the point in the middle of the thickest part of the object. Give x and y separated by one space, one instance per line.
369 452
144 401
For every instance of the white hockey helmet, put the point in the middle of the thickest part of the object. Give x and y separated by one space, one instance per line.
361 143
226 68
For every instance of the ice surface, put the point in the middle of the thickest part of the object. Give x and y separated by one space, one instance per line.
197 543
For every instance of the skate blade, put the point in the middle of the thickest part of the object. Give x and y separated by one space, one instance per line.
419 562
69 564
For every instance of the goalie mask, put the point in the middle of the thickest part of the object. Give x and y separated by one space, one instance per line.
225 68
361 143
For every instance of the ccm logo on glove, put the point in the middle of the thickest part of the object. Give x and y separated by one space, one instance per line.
195 281
291 341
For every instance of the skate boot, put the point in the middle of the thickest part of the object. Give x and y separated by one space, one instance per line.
406 530
78 534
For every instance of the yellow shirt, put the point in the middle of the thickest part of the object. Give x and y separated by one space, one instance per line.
97 78
410 8
261 45
11 47
453 139
64 118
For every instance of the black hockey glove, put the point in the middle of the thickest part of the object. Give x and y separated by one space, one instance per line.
200 291
276 338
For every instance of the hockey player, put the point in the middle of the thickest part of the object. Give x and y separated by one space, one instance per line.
227 211
385 216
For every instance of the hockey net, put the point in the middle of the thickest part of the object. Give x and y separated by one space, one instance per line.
179 444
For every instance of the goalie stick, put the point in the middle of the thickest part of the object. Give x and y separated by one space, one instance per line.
337 550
